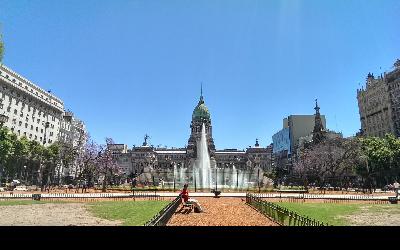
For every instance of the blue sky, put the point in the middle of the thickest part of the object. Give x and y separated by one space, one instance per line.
133 67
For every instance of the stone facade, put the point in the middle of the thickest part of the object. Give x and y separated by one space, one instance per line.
137 159
73 135
379 104
29 108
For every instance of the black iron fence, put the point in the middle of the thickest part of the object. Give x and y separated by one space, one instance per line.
290 197
85 197
281 215
162 218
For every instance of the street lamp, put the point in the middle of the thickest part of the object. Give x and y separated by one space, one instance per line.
26 176
38 175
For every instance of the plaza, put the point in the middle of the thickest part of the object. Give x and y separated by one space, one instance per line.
276 114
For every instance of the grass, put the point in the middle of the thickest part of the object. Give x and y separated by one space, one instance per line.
131 213
333 214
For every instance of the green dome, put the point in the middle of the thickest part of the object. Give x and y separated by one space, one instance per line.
201 111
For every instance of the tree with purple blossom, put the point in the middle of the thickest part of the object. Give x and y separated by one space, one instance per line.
106 164
331 161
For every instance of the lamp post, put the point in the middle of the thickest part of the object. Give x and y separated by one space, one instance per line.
38 175
26 176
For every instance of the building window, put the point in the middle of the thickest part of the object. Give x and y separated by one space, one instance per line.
31 127
37 129
15 111
20 123
26 125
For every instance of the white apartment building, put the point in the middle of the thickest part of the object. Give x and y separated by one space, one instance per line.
29 107
73 134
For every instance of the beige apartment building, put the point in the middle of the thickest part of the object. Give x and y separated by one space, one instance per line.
379 104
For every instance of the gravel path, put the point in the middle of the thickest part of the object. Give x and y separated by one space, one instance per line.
221 212
50 214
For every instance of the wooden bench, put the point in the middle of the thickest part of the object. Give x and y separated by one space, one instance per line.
188 206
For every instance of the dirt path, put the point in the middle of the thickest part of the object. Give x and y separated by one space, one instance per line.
221 212
50 214
382 216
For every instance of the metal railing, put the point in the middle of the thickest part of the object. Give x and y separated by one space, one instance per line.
162 217
291 197
281 215
84 196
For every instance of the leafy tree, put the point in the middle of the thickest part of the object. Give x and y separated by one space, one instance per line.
381 158
18 159
6 147
35 150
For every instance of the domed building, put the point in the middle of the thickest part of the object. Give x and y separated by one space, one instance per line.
200 115
163 160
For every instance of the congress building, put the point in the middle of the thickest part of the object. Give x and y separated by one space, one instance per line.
138 158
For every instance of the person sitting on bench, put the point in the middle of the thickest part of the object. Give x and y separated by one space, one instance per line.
185 200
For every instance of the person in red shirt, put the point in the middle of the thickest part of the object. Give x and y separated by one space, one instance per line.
185 200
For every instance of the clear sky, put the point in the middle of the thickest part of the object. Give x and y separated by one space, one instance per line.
133 67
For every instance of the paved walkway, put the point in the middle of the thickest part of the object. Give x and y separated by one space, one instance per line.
221 212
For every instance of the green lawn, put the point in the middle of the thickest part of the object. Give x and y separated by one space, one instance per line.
131 213
332 213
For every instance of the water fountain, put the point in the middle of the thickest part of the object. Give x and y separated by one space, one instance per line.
203 174
202 164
